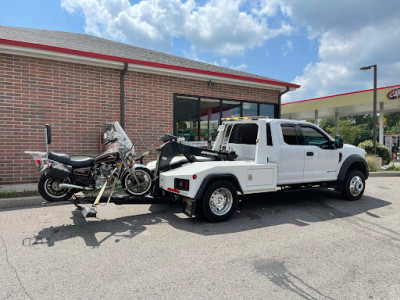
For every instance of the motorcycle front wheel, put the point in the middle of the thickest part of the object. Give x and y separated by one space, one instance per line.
142 186
50 190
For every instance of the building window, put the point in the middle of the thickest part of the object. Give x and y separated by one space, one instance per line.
209 118
267 110
231 109
197 118
250 109
186 117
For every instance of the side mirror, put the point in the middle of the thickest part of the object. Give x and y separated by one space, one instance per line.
48 134
339 141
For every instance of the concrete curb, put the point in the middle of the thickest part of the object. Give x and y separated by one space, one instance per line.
18 187
20 202
385 174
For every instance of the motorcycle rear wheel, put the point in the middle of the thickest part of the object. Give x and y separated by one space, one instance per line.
49 189
132 188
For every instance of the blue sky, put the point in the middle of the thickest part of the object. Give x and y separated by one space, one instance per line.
318 44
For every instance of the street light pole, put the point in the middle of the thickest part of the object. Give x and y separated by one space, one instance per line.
374 108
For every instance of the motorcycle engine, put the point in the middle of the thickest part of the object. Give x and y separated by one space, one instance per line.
103 171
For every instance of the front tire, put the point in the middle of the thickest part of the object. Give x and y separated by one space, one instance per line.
49 189
353 186
219 201
132 188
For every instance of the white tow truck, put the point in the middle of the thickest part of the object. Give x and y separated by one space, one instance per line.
257 155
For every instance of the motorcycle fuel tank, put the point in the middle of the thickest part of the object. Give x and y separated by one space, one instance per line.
105 157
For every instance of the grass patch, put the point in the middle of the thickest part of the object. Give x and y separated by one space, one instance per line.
393 167
14 194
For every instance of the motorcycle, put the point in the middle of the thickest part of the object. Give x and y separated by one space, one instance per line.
63 175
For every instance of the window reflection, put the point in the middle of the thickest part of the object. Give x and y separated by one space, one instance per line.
231 109
197 118
209 118
186 117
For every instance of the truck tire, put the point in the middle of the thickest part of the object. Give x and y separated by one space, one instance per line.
219 201
353 185
50 191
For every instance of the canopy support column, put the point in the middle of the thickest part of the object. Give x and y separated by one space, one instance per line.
336 123
316 117
381 116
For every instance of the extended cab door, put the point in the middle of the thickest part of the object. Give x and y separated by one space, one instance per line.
292 156
322 157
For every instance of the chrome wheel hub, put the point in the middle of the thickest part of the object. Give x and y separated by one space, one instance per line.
221 201
356 186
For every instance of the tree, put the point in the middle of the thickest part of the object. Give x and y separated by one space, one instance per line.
346 127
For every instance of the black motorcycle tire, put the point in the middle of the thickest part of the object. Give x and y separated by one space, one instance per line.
143 175
49 190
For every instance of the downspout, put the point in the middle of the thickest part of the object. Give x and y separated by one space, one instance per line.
279 102
122 94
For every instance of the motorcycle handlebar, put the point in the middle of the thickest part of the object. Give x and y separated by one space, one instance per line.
168 138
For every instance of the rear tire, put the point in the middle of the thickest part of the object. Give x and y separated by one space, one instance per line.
353 186
145 185
219 201
50 191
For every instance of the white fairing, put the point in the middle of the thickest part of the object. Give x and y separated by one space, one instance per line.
118 132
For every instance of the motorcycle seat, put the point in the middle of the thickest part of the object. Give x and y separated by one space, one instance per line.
73 162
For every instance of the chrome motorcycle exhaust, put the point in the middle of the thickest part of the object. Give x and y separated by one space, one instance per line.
73 186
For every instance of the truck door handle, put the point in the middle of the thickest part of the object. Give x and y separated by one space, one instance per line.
310 153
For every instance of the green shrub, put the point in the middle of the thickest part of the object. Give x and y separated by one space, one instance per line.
381 150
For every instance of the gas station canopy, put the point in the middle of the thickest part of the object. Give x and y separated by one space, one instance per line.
342 105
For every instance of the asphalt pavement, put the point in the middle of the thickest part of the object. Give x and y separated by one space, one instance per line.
302 245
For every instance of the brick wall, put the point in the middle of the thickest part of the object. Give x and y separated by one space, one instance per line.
77 100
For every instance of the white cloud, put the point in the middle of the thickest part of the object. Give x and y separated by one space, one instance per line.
287 48
350 36
219 26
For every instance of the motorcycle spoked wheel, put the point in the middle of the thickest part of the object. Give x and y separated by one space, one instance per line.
49 189
132 188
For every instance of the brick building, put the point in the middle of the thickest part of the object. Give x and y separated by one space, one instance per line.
77 83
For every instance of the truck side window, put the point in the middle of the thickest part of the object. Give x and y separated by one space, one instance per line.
227 133
244 134
289 134
269 137
314 137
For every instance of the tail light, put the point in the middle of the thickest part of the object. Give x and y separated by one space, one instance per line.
181 184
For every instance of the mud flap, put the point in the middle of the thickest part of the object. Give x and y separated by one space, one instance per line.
189 207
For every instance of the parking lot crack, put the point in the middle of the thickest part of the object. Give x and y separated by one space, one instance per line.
14 269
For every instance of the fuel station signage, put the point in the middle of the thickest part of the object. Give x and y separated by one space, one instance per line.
393 94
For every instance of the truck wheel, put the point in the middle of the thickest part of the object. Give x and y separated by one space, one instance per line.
219 201
353 185
49 189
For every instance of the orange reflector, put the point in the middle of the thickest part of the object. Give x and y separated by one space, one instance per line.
118 163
